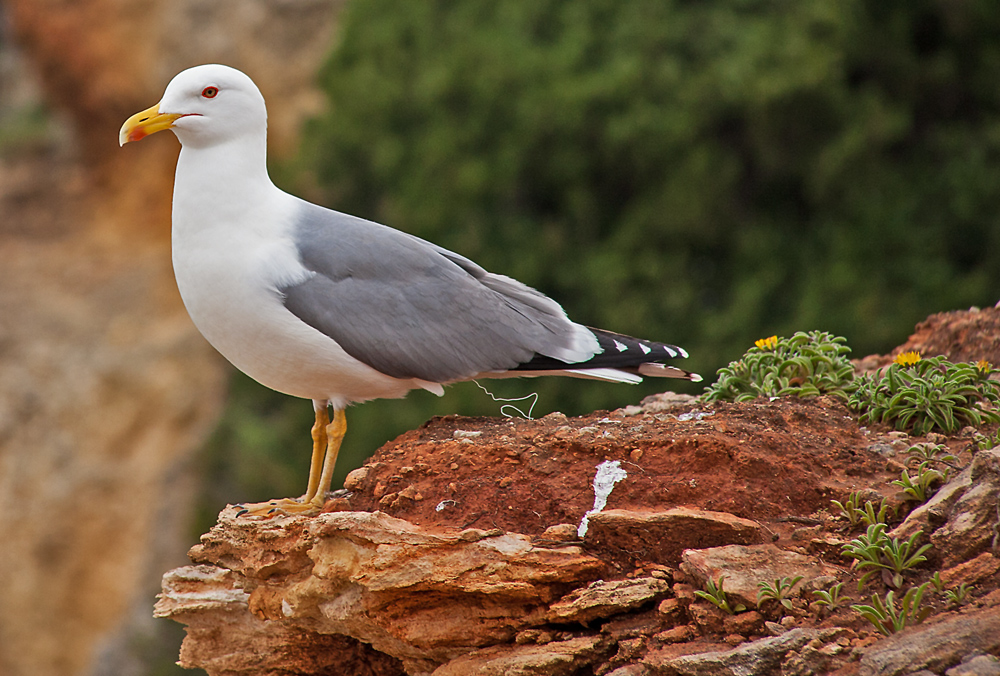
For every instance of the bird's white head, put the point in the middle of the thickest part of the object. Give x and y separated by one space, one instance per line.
204 106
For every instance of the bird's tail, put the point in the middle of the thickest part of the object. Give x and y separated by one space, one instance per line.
622 359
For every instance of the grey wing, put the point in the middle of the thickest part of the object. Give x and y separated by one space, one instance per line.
411 309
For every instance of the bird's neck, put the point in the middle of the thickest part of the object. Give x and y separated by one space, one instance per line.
239 164
220 183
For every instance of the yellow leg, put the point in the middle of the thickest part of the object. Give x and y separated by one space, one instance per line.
319 450
334 436
327 436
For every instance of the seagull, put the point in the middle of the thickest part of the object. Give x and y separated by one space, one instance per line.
333 308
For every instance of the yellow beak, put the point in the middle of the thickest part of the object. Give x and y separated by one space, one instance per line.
147 122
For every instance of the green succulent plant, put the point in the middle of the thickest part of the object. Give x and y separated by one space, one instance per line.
715 595
805 365
870 517
919 454
877 551
918 487
849 508
779 591
831 598
955 596
959 595
923 395
855 515
888 619
984 442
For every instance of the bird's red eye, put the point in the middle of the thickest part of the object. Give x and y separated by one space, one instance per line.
209 92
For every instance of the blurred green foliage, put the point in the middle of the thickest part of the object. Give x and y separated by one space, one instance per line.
703 173
24 128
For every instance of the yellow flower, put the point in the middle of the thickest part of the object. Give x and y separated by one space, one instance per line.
984 366
907 358
767 343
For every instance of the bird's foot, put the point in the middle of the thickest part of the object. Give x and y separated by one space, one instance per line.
282 507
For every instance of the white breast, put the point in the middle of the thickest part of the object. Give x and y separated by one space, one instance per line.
230 262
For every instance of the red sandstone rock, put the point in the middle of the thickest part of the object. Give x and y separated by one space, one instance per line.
661 536
747 566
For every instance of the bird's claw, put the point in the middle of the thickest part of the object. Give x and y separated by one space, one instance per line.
283 507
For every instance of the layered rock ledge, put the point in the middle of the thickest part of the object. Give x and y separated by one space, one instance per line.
412 588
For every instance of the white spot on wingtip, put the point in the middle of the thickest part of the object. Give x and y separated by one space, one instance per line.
683 352
671 351
621 346
644 348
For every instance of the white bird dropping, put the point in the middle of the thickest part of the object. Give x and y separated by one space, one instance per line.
608 474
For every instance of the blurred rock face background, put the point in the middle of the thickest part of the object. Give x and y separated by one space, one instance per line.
106 389
702 173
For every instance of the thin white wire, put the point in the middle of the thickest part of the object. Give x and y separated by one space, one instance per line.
504 410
